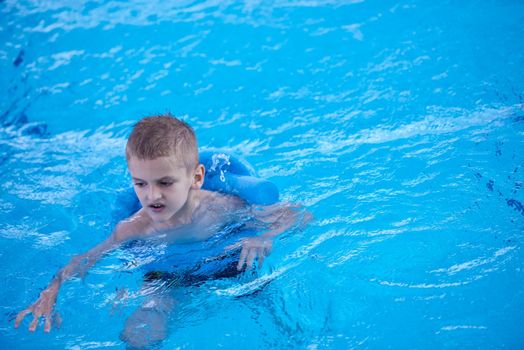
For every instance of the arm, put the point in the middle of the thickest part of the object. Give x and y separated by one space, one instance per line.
276 219
78 266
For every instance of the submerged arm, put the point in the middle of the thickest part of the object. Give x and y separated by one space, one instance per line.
78 266
276 219
281 217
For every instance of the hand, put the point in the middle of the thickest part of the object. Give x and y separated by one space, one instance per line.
253 248
43 307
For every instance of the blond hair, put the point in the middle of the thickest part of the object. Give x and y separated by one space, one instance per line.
163 136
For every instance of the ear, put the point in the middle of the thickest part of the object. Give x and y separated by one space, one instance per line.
198 177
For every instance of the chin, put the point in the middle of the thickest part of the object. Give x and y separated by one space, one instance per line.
159 218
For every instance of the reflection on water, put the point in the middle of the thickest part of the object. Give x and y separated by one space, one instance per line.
399 126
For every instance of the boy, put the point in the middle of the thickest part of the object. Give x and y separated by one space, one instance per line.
162 158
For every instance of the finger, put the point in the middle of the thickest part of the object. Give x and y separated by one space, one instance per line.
261 258
21 315
233 246
267 252
251 258
267 249
47 326
58 320
33 324
242 259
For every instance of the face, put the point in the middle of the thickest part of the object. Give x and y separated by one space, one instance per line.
163 185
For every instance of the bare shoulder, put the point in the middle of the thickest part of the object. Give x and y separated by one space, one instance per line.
217 208
222 201
133 227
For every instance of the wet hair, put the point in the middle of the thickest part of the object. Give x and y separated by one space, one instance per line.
162 136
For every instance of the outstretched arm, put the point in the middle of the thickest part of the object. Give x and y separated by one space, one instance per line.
276 219
78 266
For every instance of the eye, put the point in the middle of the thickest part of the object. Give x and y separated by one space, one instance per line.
139 184
166 183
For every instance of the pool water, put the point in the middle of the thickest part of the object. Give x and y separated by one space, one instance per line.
398 124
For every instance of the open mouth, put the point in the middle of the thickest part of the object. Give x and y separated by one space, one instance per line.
157 207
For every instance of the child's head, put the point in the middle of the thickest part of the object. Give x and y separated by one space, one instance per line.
163 136
162 158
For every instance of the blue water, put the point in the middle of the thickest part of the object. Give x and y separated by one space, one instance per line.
398 124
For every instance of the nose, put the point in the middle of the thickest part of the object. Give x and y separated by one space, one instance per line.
154 193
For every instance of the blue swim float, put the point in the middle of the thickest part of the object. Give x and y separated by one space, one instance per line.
225 174
232 175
